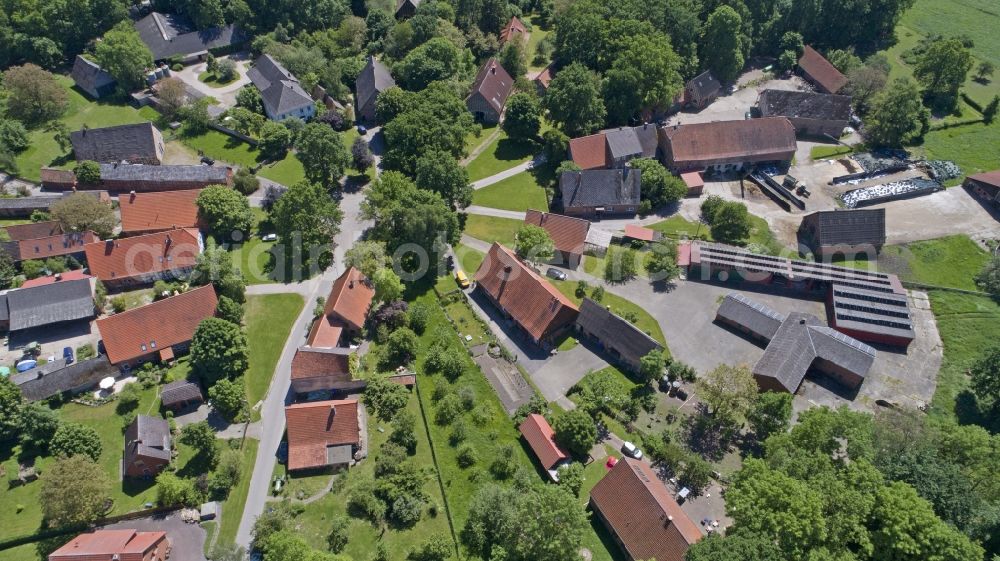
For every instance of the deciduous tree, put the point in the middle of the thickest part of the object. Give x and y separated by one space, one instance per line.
576 432
523 117
729 392
74 439
33 95
123 55
81 212
323 155
644 76
897 115
224 211
74 491
11 407
440 172
218 350
723 46
306 210
533 243
942 70
574 100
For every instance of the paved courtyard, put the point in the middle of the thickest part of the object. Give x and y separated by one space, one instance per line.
186 540
226 95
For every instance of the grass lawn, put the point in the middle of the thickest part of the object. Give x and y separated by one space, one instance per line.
232 508
620 306
314 523
469 259
269 319
519 192
287 172
492 229
537 34
952 261
212 79
824 152
967 324
679 227
468 323
26 552
222 147
972 147
501 154
43 149
135 298
254 256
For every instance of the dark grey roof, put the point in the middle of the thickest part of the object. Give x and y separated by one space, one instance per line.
648 139
147 437
139 172
50 303
401 3
116 144
373 80
90 77
623 142
279 89
600 187
847 227
799 341
615 332
703 85
39 202
804 105
169 35
180 391
753 316
56 377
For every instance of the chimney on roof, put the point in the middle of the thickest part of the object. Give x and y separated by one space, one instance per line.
168 240
493 69
330 416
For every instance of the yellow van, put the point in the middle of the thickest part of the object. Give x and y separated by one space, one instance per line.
461 279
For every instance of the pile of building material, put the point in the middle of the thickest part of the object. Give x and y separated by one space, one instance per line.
881 160
897 190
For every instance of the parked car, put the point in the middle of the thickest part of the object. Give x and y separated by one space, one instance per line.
462 279
269 237
362 130
631 450
68 354
207 161
555 274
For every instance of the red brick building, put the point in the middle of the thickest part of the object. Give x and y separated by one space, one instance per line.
143 260
727 145
345 310
542 439
115 545
569 235
489 92
322 435
820 72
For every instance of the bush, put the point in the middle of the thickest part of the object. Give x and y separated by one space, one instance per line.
418 316
128 398
85 352
448 409
338 537
363 502
459 432
466 456
503 465
581 288
118 304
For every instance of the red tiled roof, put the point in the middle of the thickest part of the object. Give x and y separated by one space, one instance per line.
142 255
33 230
818 69
684 254
151 212
349 299
693 180
106 545
51 246
537 306
989 178
514 28
67 276
313 427
589 152
647 520
315 363
568 234
157 326
752 139
540 436
544 78
637 232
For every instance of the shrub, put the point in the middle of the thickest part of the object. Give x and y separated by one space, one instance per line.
503 465
448 409
128 398
417 317
466 456
459 432
118 304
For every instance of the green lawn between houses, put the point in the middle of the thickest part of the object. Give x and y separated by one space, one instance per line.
492 229
501 154
232 508
519 192
269 319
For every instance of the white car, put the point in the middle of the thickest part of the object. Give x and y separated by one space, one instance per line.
269 237
631 450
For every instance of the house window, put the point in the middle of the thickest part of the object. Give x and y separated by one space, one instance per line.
152 344
142 346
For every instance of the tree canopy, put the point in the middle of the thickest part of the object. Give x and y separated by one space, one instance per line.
323 154
224 211
218 350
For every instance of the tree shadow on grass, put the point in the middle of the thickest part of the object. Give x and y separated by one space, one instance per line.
509 149
133 486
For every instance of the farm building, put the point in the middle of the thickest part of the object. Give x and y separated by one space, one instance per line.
619 337
818 71
569 235
812 114
322 435
600 192
489 92
727 145
844 232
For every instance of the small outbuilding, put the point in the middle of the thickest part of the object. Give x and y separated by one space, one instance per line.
180 394
849 233
985 186
701 90
147 447
91 78
618 337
